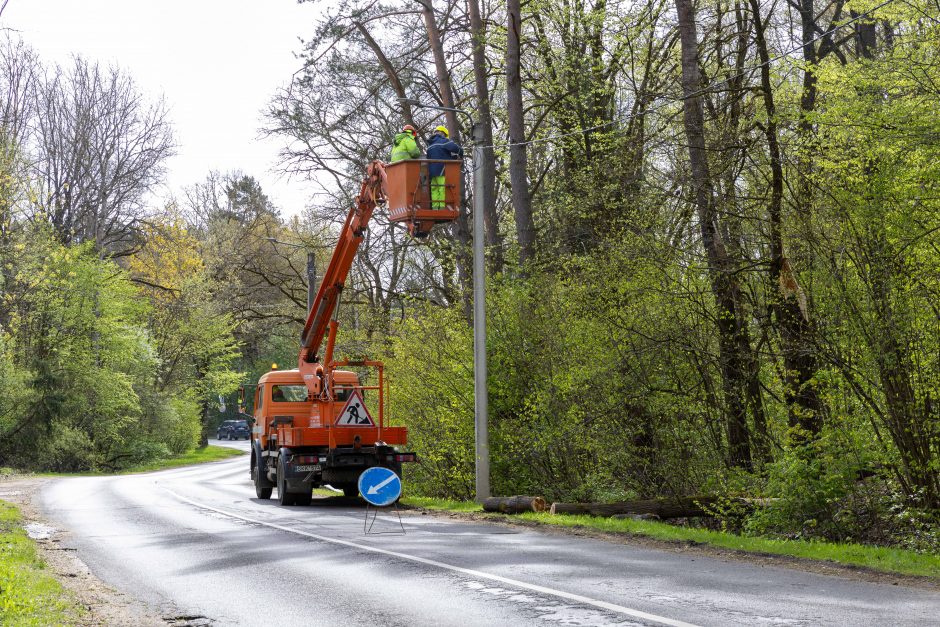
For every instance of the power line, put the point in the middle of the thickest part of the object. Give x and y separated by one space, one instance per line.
703 90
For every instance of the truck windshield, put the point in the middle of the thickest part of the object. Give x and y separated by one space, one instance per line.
289 393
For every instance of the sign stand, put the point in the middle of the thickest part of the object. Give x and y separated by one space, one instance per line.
367 524
381 488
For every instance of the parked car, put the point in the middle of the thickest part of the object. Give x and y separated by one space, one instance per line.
234 430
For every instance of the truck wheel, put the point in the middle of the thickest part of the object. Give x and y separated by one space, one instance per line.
263 487
283 496
261 491
350 489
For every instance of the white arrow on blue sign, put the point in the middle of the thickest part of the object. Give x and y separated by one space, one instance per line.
379 486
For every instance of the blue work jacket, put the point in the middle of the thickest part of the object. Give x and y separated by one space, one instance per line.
442 149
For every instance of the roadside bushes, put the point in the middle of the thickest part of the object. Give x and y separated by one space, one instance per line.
431 378
80 385
835 488
75 325
808 487
583 404
604 386
14 390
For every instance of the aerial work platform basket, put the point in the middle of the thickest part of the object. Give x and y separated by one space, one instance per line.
415 200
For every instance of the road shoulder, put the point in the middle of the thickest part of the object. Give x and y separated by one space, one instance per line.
691 548
102 604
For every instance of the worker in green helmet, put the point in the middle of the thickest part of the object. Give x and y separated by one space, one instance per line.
405 146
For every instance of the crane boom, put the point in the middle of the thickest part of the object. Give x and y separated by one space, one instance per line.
372 193
411 205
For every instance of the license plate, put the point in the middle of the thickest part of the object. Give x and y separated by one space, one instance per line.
308 468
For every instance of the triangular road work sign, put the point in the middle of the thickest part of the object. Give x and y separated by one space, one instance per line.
354 413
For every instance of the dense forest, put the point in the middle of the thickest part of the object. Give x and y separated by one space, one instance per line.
713 254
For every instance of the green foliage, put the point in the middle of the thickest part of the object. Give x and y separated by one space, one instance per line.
76 325
878 287
96 377
194 336
431 379
809 486
14 389
582 407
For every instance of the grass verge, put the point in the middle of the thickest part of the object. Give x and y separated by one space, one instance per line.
442 504
878 558
28 594
211 453
326 492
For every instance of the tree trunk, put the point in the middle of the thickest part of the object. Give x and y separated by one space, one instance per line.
518 164
487 169
797 332
733 338
390 72
789 303
514 504
462 226
664 508
204 433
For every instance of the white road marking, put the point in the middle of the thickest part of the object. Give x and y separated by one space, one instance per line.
662 620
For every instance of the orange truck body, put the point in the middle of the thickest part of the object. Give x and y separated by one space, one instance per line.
313 423
298 445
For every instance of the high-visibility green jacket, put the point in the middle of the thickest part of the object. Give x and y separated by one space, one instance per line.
404 147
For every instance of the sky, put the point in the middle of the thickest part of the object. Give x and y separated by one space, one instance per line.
216 62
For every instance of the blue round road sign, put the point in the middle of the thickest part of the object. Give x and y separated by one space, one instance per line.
379 486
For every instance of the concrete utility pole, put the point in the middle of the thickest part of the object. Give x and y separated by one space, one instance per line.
480 395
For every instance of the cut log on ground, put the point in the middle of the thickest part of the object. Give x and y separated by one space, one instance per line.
514 504
686 506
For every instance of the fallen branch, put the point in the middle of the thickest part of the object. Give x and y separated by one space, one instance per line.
514 504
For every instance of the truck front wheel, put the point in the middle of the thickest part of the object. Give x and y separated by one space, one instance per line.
263 487
261 491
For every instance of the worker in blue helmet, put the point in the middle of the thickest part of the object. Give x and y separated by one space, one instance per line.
441 148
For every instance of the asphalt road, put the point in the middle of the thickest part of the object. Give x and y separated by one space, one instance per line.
195 541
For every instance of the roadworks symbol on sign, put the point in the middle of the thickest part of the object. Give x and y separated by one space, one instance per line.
355 414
